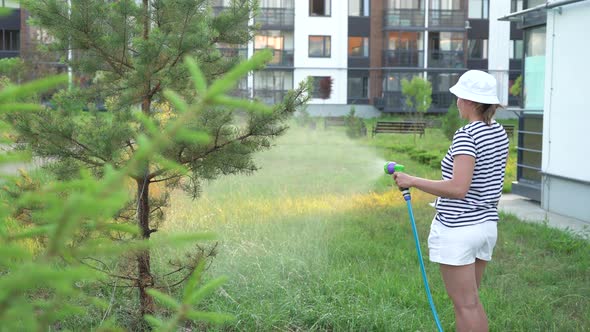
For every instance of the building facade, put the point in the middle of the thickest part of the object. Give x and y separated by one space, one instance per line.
363 49
552 149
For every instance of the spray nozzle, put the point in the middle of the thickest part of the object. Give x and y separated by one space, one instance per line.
392 167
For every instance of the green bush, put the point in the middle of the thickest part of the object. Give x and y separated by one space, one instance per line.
452 121
429 158
355 126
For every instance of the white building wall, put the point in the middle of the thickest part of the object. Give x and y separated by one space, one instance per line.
566 155
499 47
335 66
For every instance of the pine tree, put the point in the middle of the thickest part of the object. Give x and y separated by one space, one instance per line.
132 52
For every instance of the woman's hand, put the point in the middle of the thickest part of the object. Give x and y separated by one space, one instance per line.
403 180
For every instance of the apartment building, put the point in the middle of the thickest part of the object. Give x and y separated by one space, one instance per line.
362 49
10 30
551 164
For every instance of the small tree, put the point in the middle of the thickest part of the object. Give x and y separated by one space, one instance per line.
452 121
418 95
355 126
516 88
133 51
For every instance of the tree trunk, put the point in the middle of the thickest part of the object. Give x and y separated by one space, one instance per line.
145 278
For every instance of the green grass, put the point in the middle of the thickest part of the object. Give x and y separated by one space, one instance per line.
318 240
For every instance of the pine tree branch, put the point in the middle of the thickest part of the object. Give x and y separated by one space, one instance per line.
166 179
105 271
216 147
91 45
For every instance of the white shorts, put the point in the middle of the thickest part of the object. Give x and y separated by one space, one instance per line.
461 245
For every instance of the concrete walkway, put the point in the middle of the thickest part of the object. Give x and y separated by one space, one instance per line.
531 211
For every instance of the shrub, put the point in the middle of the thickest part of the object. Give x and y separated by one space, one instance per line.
355 126
452 121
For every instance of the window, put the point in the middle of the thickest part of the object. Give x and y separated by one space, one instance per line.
446 4
319 46
534 68
358 87
478 9
392 81
322 87
516 6
319 7
358 46
275 42
273 80
9 40
358 7
276 4
516 48
534 3
477 49
405 4
408 41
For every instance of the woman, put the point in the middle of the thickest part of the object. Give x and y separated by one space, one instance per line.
463 233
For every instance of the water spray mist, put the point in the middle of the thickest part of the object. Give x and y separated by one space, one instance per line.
390 168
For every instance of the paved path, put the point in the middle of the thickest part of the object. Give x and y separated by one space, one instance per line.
531 211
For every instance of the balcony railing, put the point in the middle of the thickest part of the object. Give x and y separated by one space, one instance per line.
403 58
442 99
270 97
280 58
230 52
446 59
277 18
446 18
403 18
240 93
9 54
395 100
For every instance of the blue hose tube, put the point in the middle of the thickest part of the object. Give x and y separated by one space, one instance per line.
408 199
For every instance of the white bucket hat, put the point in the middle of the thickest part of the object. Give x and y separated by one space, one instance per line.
478 86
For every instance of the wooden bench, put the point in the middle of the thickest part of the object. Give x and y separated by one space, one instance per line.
330 121
509 130
399 127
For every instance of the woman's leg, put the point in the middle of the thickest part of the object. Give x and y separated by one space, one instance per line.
461 285
480 266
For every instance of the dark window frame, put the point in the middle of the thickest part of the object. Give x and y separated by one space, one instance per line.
315 91
368 48
324 37
329 8
365 87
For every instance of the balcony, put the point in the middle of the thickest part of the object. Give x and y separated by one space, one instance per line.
276 18
442 100
447 19
395 18
446 59
395 102
270 97
240 93
280 58
231 52
403 58
9 54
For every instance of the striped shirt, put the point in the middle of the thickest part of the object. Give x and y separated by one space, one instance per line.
489 146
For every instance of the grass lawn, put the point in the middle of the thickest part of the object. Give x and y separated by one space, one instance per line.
318 239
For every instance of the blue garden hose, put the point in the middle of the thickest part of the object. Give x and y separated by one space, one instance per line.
390 168
408 200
